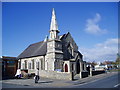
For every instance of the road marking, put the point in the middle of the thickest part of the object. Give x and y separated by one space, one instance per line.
117 85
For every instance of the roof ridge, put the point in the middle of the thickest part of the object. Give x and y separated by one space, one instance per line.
37 42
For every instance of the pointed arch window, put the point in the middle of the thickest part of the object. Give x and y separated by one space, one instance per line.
37 64
42 64
33 64
25 64
29 65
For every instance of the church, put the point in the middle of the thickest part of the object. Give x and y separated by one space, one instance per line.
57 56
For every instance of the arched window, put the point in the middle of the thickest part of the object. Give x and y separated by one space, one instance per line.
37 64
42 64
25 64
29 65
33 64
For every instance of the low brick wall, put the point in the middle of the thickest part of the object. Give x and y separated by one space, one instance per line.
97 72
56 75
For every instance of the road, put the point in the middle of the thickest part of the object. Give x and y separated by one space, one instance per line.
6 85
107 82
101 81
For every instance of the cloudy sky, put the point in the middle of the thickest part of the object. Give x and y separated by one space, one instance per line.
94 26
105 50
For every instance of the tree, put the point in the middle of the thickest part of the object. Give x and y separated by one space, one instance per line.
94 63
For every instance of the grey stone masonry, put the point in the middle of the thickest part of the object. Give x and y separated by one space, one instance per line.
54 54
56 75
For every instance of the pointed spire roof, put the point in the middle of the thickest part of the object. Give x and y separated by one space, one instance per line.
53 25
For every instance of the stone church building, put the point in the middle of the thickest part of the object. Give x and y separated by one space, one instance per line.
56 57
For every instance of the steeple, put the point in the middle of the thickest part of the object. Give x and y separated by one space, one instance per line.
53 26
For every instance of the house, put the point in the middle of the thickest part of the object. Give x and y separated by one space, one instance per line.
9 66
56 56
100 67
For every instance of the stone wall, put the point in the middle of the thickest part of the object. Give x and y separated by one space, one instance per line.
56 75
85 74
97 72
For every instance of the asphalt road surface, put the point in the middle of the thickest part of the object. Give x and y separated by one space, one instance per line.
6 85
107 82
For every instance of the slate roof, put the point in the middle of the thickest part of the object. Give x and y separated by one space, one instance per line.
36 49
64 35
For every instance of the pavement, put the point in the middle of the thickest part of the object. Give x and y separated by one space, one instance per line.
55 83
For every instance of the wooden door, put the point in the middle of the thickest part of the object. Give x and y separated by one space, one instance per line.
66 68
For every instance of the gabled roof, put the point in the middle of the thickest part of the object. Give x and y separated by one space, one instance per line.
36 49
64 35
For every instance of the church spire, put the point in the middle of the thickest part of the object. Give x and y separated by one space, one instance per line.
53 26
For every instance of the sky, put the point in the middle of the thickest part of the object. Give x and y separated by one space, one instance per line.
93 25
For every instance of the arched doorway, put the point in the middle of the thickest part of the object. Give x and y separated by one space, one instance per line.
66 68
78 66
